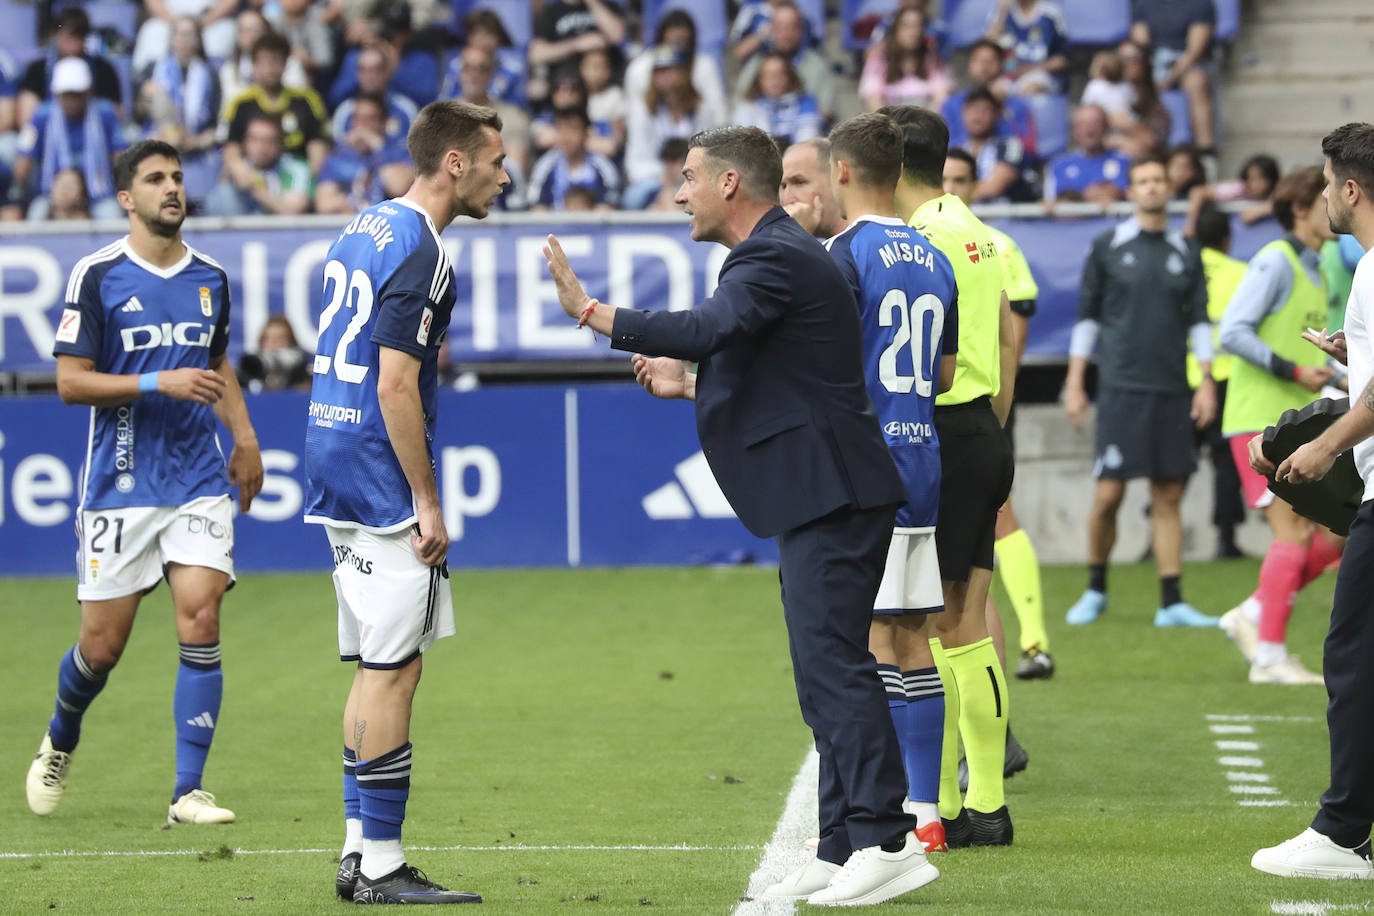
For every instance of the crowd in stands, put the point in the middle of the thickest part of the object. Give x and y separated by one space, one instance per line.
293 106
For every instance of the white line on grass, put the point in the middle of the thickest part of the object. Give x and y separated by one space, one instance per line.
1313 907
1244 776
1245 788
514 847
1217 717
1264 803
1241 761
1237 745
1231 729
785 852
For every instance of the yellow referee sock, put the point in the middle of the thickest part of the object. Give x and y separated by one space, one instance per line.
982 721
1020 571
950 800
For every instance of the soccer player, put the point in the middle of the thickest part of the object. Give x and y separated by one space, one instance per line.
1276 370
1144 294
369 467
975 482
142 341
908 306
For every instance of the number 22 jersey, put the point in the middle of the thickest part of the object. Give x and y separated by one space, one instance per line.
388 282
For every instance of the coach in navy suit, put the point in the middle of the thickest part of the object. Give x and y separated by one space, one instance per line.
789 431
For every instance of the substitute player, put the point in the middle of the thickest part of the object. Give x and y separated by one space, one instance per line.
908 304
976 481
369 467
142 341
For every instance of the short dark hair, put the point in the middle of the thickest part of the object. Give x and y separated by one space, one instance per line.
489 20
1213 228
1145 159
371 98
989 44
1268 166
872 145
925 141
571 112
964 156
673 149
74 19
126 163
271 43
444 125
1299 188
747 150
1350 148
982 94
677 18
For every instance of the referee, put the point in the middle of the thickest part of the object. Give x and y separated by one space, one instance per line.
1143 297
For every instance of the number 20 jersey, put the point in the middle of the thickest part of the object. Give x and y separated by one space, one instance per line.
387 283
908 307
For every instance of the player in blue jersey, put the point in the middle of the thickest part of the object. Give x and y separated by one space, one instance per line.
908 308
369 467
142 341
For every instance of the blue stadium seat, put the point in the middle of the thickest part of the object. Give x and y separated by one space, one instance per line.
19 32
200 172
1181 124
1097 22
1051 113
710 16
1228 19
124 68
862 14
119 15
515 16
814 11
966 20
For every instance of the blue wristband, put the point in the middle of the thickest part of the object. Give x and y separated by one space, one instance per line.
147 383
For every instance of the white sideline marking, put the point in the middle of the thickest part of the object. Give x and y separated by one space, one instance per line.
1244 788
138 853
1241 761
1265 803
785 852
1237 745
1313 907
1242 776
1216 717
1232 729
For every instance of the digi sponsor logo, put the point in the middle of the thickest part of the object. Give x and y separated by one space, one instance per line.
152 336
344 556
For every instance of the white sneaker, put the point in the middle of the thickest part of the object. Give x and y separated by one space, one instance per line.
198 807
803 882
47 777
1241 630
872 876
1288 671
1313 855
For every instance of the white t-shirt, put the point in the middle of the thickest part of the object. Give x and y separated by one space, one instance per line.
1359 321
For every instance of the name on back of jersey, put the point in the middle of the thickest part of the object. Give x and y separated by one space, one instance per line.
375 225
896 252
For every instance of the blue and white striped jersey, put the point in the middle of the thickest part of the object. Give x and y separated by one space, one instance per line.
387 283
908 307
131 317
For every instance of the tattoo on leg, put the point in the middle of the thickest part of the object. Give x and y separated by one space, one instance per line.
1367 396
359 727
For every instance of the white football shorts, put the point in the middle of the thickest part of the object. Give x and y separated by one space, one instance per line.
911 578
392 607
124 551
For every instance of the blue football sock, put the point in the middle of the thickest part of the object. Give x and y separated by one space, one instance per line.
195 707
383 789
77 686
923 732
891 677
352 810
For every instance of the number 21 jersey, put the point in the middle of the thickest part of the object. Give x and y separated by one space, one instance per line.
387 283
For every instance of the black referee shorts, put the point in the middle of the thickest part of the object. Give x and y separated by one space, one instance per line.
1144 434
975 480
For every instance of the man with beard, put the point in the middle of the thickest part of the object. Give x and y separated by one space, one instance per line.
142 340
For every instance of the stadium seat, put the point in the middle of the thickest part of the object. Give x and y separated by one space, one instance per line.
200 172
1180 121
1228 19
1097 22
859 18
710 16
124 68
119 15
19 32
966 20
1051 113
814 11
515 16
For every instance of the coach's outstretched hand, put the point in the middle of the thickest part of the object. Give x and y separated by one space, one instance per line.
662 376
245 472
431 545
188 384
571 295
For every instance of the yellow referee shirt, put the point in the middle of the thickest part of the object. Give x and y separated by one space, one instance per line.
969 245
1019 281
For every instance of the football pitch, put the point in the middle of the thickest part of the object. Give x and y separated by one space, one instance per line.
617 741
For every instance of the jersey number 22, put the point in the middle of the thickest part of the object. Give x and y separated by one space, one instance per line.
356 292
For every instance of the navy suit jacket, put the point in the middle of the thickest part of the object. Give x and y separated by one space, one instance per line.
782 411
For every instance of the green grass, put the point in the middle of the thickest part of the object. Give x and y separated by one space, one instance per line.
644 707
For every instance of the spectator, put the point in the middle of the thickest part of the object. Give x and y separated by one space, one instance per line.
414 67
566 91
787 33
677 28
367 166
280 362
1148 129
214 17
673 156
1035 38
312 41
607 104
68 40
671 107
1181 33
570 164
985 72
778 104
565 30
1185 172
1090 171
905 69
236 73
374 76
299 112
486 32
74 130
1005 170
1255 185
179 101
805 191
578 199
476 65
749 33
68 198
8 125
265 178
1107 87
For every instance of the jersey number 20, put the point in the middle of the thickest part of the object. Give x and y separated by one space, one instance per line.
927 315
356 292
